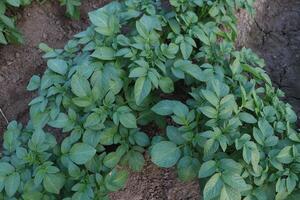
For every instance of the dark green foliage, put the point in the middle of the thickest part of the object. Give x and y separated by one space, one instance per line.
232 131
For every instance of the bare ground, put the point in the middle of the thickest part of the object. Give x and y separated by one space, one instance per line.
274 34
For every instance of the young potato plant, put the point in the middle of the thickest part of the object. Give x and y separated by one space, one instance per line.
9 33
85 133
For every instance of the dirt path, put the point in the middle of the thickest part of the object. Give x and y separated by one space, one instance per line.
274 35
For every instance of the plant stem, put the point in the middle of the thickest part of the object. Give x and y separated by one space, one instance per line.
4 116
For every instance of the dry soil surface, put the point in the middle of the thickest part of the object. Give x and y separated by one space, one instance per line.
274 34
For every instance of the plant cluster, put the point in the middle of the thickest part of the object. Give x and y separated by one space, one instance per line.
230 129
8 30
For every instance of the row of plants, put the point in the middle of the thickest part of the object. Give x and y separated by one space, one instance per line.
9 33
228 127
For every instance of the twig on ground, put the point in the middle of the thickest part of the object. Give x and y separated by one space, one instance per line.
2 113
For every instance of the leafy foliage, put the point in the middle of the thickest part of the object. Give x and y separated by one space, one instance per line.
231 130
8 30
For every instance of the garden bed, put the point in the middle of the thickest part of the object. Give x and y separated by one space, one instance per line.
274 35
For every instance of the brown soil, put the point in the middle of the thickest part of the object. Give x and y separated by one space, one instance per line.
274 34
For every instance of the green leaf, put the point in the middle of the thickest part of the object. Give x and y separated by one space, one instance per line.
186 49
166 85
142 88
211 97
248 118
209 112
12 183
285 155
207 169
235 180
60 122
230 193
53 183
58 66
107 135
80 86
141 139
15 3
116 180
188 168
165 154
166 107
106 24
111 160
34 83
6 168
128 120
174 135
213 187
136 160
104 53
81 153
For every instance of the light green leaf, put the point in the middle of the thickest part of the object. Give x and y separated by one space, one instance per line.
116 180
165 154
57 65
166 85
128 120
34 83
142 88
207 169
80 86
213 187
230 193
12 183
248 118
54 182
81 153
104 53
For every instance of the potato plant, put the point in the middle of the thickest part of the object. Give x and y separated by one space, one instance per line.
229 129
9 33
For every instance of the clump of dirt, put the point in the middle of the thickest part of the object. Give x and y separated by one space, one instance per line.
274 33
157 184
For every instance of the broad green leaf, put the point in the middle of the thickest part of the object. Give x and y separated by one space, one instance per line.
116 180
104 53
58 66
80 86
230 193
209 112
128 120
136 160
6 168
186 49
174 135
207 169
12 183
285 155
248 118
111 160
142 88
166 107
34 83
141 139
166 85
53 183
60 122
213 187
188 168
107 136
235 181
81 153
165 154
